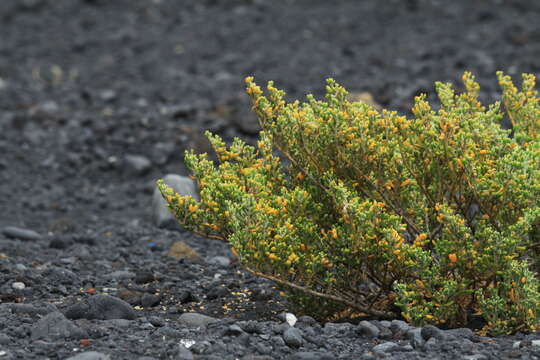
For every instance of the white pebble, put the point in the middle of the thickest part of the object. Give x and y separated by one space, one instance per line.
18 285
290 318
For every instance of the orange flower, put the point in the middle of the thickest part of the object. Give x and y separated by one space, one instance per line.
453 258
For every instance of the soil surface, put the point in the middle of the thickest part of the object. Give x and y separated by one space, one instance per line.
99 98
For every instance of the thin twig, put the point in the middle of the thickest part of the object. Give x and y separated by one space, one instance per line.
359 307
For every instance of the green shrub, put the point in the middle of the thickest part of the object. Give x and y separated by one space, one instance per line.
436 218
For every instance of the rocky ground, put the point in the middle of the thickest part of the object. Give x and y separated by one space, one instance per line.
99 98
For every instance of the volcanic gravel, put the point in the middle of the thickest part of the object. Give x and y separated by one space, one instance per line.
100 98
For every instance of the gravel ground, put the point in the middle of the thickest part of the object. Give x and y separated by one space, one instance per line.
98 99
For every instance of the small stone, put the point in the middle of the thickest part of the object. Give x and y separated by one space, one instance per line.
144 277
415 337
368 329
121 323
234 330
217 292
108 95
31 309
385 323
18 285
90 355
386 347
120 275
184 353
180 250
150 300
101 307
195 319
59 243
293 337
277 341
399 325
221 261
430 331
280 328
432 344
308 320
55 326
5 339
407 347
364 97
140 164
184 186
167 332
368 355
156 321
337 328
290 318
251 327
385 333
464 333
20 233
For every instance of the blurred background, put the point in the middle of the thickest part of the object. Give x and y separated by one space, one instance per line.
98 98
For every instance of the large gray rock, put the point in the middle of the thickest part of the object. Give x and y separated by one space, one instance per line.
368 329
101 307
183 185
293 337
55 326
195 319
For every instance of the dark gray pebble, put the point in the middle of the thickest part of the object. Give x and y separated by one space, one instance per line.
55 326
430 331
101 307
195 319
150 300
368 329
293 337
20 233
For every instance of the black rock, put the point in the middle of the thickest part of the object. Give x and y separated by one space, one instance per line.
101 307
150 300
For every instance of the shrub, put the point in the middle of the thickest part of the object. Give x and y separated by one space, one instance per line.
436 217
